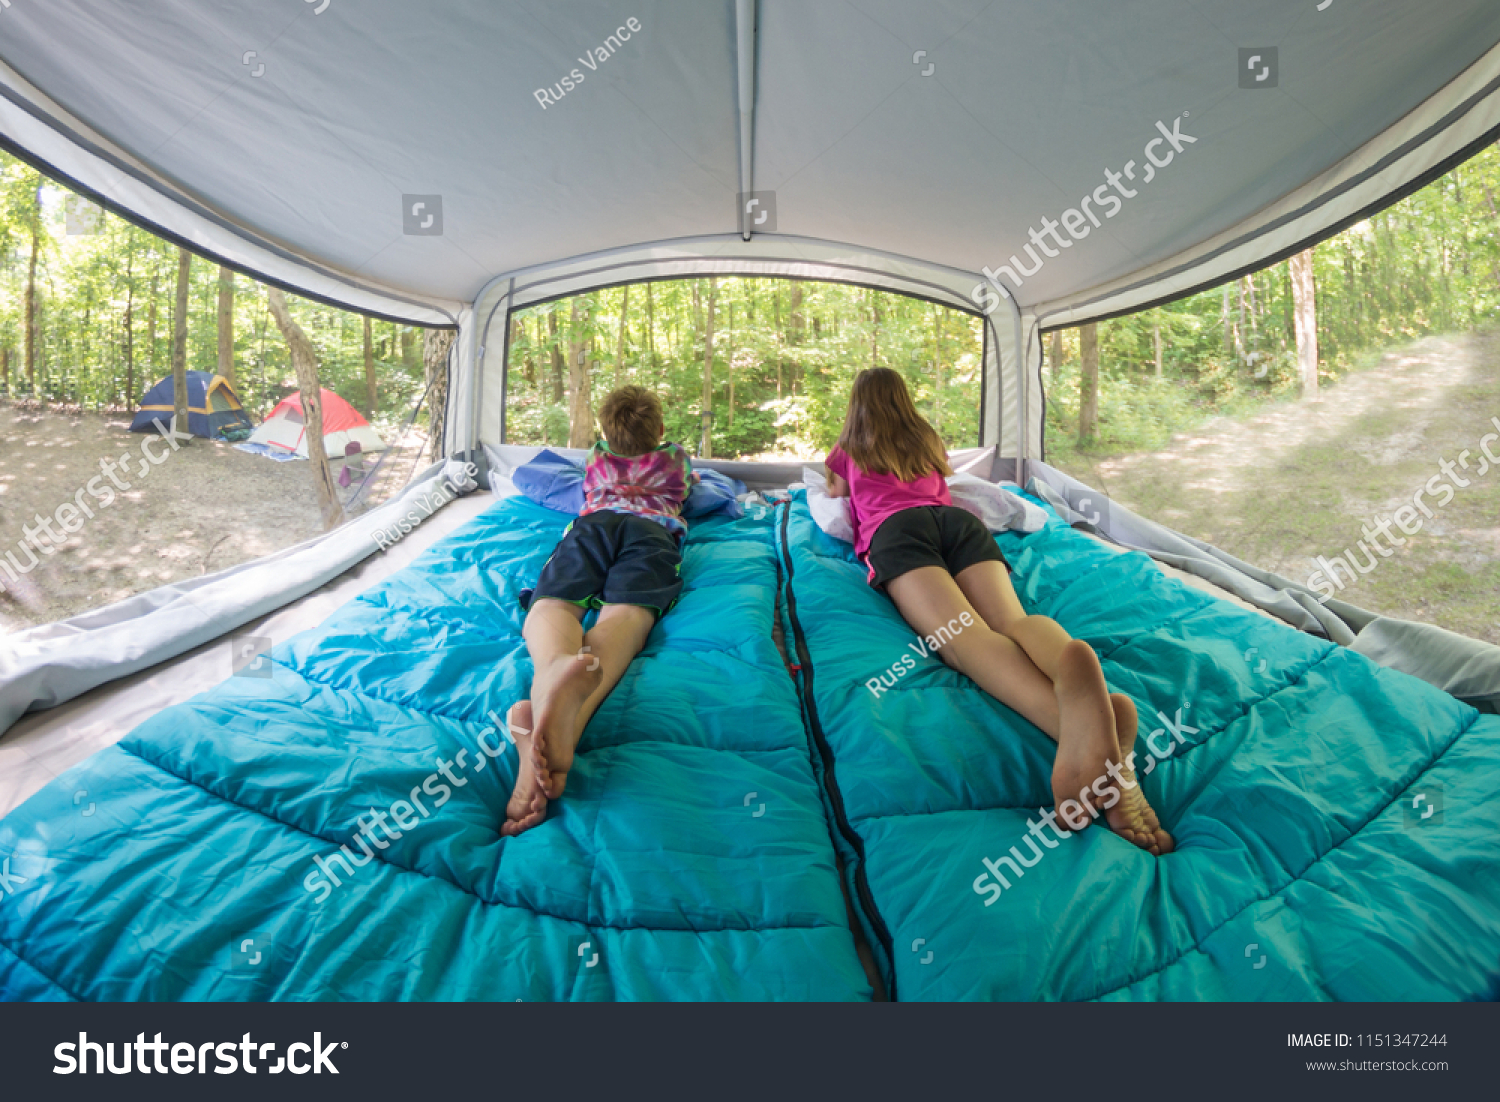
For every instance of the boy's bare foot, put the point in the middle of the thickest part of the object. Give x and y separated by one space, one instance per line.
528 803
556 733
1133 818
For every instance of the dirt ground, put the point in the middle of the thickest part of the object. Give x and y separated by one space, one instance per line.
206 507
1300 480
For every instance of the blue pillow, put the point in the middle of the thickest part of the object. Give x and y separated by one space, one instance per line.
552 480
716 493
557 482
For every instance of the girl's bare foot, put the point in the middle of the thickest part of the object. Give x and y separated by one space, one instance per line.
556 733
1086 732
528 803
1133 818
1097 732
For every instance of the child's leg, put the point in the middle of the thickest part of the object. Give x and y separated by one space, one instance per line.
987 587
560 685
604 653
928 598
1074 709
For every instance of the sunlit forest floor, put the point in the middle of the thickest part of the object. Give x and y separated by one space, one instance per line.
1296 480
205 508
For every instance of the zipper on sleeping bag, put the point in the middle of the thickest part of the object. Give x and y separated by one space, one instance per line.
804 667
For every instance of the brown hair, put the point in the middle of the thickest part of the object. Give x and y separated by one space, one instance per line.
884 433
632 421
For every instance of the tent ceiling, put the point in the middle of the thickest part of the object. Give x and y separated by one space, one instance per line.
1026 107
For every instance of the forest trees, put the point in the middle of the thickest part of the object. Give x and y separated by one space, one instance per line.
101 322
770 361
1305 322
90 320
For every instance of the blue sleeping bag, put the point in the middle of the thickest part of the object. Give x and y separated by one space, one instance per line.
1337 823
215 856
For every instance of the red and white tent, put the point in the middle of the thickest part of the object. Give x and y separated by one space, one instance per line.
286 429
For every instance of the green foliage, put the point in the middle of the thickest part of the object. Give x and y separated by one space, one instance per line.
784 357
86 283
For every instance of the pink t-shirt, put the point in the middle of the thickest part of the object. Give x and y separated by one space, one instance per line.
874 497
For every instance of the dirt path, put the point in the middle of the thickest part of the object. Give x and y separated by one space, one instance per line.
1301 480
203 508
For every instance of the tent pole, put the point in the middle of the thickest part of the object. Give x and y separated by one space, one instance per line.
1022 392
744 11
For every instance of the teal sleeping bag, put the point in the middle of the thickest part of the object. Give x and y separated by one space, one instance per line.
1337 823
215 855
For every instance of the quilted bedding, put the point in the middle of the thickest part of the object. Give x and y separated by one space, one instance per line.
690 858
1338 824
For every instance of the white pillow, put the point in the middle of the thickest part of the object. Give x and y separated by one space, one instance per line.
998 509
830 513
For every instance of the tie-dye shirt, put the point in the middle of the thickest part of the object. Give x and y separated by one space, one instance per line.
652 486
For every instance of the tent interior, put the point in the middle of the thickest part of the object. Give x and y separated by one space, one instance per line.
1034 166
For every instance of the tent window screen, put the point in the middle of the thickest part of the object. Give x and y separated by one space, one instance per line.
780 355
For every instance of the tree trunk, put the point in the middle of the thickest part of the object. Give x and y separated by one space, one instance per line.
151 361
1156 336
410 357
1305 308
1088 383
937 367
305 362
226 325
179 342
31 304
1057 352
371 397
779 365
1224 321
557 360
620 344
798 330
5 370
650 326
519 336
580 419
436 344
706 451
130 326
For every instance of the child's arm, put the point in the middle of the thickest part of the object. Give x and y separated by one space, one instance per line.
834 466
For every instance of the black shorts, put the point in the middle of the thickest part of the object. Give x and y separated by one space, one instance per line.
609 558
929 535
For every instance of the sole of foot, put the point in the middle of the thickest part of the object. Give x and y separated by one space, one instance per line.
1086 723
1133 818
528 803
556 733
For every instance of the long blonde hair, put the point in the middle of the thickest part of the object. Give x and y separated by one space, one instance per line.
884 433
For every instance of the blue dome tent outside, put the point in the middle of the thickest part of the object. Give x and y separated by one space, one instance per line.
212 405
